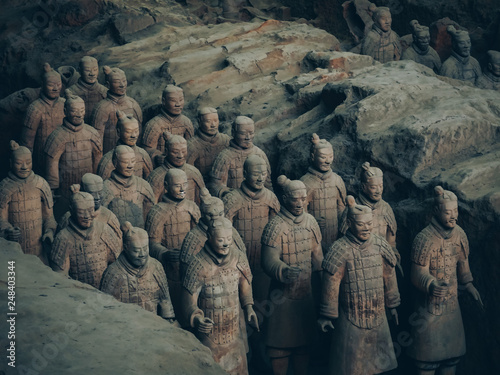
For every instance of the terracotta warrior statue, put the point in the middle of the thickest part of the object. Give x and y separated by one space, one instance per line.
227 169
217 284
440 263
170 119
26 205
326 191
359 276
461 65
175 157
87 87
207 142
420 51
491 78
128 196
127 128
85 248
94 185
381 42
72 149
167 223
137 278
291 252
43 116
104 116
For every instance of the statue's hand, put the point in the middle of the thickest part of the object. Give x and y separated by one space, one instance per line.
172 255
13 234
324 324
173 321
159 159
469 287
437 290
48 237
290 274
252 317
203 325
395 316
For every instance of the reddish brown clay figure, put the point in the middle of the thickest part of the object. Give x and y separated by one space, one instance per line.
359 276
381 42
85 247
26 205
137 278
72 149
128 134
43 116
176 152
169 120
291 252
218 281
207 142
94 185
167 223
128 196
87 87
420 51
227 169
104 116
325 190
440 263
461 65
491 78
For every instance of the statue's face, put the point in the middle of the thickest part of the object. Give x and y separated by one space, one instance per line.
213 213
125 164
177 186
21 165
173 103
494 68
52 87
245 134
129 132
176 154
255 175
220 240
75 112
295 201
422 41
84 213
118 84
361 226
462 47
96 192
137 251
89 71
384 21
374 188
447 214
322 159
209 123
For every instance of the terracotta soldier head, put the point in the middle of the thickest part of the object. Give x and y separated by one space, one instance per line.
135 245
94 185
243 131
421 35
220 236
20 160
255 172
172 100
88 69
382 17
359 219
175 149
116 81
321 154
124 160
74 109
460 41
81 207
208 119
445 207
127 128
211 207
294 195
372 182
52 84
494 62
176 183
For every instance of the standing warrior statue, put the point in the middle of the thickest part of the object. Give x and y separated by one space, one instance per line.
420 51
325 190
359 276
104 117
291 252
26 205
440 262
137 278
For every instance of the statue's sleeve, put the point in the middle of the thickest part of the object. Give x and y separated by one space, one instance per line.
152 131
154 226
218 176
59 257
112 283
49 222
271 261
333 273
96 150
368 45
30 126
341 197
165 303
421 278
192 154
245 282
54 148
189 129
4 208
149 198
268 184
105 166
147 165
316 251
391 291
464 274
99 118
191 290
447 69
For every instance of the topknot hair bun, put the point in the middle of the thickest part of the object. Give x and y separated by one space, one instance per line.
282 180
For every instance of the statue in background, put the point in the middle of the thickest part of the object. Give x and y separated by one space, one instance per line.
420 51
491 78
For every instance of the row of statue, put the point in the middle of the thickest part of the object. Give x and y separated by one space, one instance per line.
383 44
